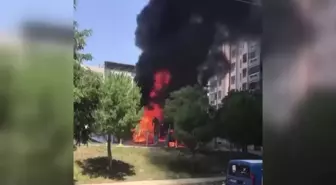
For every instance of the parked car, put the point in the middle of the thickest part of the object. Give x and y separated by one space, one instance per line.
244 172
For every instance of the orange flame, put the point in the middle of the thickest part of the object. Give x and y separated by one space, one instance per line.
153 110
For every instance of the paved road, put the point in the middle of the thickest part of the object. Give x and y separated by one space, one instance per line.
192 181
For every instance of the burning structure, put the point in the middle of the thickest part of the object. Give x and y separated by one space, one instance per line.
152 120
175 38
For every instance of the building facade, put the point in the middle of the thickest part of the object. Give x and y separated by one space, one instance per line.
127 69
97 69
244 73
109 67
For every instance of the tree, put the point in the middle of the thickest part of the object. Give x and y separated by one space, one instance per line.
118 108
188 109
86 85
240 118
80 37
80 43
86 97
36 114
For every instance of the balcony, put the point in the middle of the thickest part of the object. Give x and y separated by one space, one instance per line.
253 62
254 77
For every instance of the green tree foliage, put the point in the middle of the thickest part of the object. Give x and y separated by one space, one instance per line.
86 86
86 97
240 118
118 108
36 114
187 109
80 41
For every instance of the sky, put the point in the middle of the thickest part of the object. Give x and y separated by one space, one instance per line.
113 23
16 11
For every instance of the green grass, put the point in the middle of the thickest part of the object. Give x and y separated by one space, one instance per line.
131 164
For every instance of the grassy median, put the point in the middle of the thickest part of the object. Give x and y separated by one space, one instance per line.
131 164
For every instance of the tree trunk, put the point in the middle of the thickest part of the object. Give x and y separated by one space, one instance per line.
109 151
215 143
193 161
168 136
77 143
244 148
79 139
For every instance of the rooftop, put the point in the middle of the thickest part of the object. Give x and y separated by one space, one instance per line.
252 161
97 69
119 66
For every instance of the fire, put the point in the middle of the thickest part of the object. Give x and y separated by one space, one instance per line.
153 110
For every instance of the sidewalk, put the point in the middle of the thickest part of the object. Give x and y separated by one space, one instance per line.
191 181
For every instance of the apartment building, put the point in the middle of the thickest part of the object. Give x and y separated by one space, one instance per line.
98 69
218 88
245 65
244 73
109 67
119 68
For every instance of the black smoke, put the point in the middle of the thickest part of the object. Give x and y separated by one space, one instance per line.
177 34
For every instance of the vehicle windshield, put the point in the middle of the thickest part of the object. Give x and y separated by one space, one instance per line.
239 170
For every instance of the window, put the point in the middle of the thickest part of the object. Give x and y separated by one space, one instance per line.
253 70
252 54
240 77
255 75
211 88
219 95
210 97
212 85
253 60
245 58
233 67
253 46
233 79
241 63
244 86
253 85
219 82
239 170
244 73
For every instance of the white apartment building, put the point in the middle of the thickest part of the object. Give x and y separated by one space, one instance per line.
98 69
112 67
244 74
119 68
218 88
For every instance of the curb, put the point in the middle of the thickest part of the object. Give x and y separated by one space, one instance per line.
193 181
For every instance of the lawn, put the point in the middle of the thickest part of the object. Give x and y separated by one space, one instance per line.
130 164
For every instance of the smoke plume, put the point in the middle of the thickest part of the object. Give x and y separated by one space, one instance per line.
176 35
